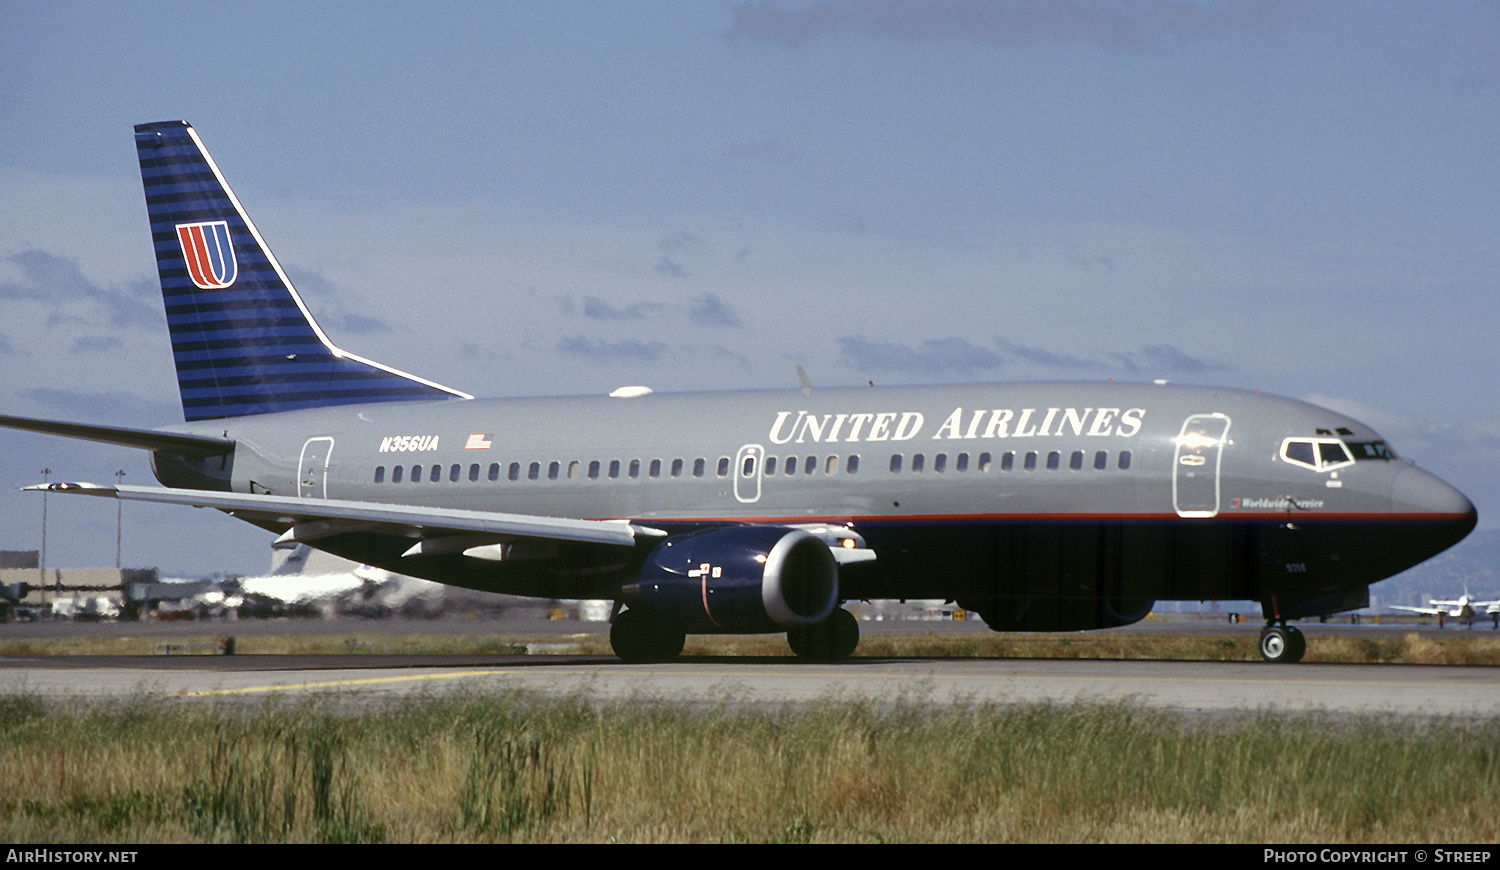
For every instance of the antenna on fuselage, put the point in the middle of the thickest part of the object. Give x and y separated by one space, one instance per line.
804 380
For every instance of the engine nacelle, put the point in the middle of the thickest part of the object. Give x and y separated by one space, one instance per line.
739 579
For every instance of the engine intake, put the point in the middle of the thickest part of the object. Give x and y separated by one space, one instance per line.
739 579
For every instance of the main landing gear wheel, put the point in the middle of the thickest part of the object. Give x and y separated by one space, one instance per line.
1282 643
638 640
830 640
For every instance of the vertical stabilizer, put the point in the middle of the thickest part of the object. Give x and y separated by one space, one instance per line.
242 339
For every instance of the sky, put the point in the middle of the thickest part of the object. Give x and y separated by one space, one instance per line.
562 198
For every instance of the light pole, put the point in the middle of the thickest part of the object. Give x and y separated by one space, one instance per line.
41 562
119 519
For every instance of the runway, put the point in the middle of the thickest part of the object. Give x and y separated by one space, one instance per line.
1194 688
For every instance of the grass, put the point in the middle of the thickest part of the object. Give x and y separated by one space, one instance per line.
1427 648
519 766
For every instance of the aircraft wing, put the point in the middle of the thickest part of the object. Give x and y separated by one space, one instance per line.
1425 611
432 529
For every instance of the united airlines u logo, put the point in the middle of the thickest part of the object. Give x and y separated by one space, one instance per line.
208 254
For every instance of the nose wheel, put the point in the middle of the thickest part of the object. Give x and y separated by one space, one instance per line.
1282 643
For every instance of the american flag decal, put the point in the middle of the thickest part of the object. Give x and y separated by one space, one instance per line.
208 254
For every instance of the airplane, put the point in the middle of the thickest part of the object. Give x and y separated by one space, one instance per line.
1038 506
1463 608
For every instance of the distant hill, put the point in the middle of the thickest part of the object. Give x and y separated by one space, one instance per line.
1475 561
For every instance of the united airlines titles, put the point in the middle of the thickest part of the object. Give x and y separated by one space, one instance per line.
801 427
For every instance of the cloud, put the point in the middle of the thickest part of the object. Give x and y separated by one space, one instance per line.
95 344
678 241
1137 25
602 351
1152 359
51 278
1164 359
710 310
115 408
1050 359
354 324
670 268
935 356
595 308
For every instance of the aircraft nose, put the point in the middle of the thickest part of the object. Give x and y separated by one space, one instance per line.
1416 492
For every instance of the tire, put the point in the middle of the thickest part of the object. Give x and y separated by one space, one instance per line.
832 639
637 640
1282 645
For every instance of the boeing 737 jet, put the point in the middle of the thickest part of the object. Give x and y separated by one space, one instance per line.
1039 506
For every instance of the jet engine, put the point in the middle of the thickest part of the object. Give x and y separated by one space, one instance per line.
741 579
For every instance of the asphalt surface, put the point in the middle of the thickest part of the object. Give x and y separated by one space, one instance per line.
1210 688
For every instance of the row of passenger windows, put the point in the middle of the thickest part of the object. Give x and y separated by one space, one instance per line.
615 469
791 465
554 470
1029 461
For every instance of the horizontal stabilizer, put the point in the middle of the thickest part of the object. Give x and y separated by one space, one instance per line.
145 439
284 513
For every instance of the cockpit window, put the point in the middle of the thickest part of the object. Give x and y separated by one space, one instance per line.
1370 450
1319 454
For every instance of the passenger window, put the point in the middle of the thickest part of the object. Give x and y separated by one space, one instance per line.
437 474
940 463
985 463
677 468
770 465
1075 461
895 462
474 473
962 463
534 472
852 465
573 468
1054 459
656 468
811 464
1101 460
416 474
1031 461
515 471
723 466
614 469
594 470
454 471
917 463
1124 460
830 467
635 469
699 466
380 474
791 465
748 469
396 474
552 469
494 471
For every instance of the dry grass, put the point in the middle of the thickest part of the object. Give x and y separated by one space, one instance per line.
1426 648
523 767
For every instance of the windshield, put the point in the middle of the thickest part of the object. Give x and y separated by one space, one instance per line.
1370 450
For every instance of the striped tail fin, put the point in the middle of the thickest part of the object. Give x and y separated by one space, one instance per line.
243 341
